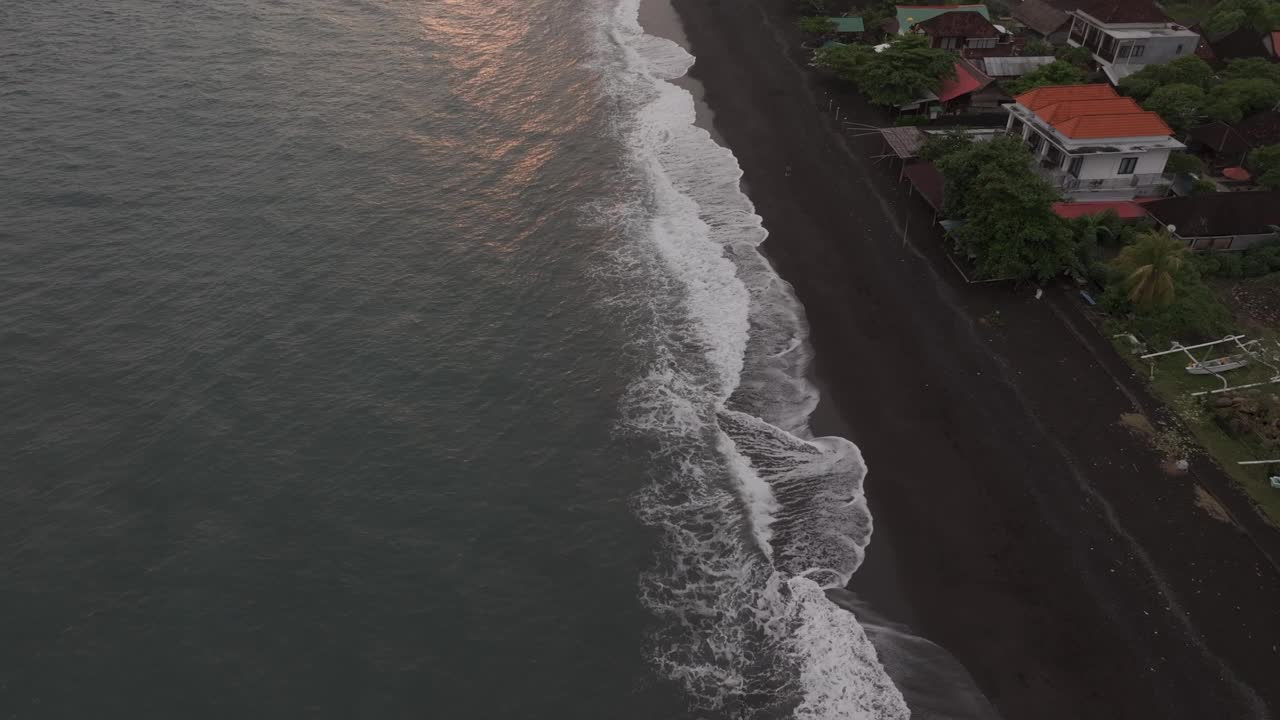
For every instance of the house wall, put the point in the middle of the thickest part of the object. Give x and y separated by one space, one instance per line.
1097 167
1157 49
1160 50
1223 243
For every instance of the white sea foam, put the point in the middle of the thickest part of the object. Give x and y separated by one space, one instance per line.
757 517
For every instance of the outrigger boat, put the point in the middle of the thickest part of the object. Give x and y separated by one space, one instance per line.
1217 365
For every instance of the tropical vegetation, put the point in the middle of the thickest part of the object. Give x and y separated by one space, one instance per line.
1058 72
905 71
1231 15
1009 229
814 25
1264 163
1149 266
1186 92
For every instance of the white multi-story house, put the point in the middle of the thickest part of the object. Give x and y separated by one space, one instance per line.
1091 143
1126 35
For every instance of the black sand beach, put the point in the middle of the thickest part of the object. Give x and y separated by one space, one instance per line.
1031 535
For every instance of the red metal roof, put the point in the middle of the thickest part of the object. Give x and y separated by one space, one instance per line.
1126 209
967 80
1092 112
1238 174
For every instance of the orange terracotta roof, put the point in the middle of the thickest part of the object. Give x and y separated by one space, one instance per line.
1038 98
1063 111
1092 112
1092 127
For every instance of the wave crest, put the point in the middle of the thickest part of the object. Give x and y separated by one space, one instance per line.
757 517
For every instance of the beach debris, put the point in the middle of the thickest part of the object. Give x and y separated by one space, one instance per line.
1210 504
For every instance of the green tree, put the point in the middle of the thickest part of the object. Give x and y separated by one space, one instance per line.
1078 56
1055 73
1036 48
1264 163
1094 228
1189 70
1231 15
1010 230
1149 266
843 61
1202 186
814 25
1180 105
1247 68
1089 231
1242 97
1181 163
902 73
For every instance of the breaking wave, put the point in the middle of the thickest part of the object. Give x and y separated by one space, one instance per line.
757 517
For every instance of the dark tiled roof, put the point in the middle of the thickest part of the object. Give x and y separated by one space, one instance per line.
1041 16
1254 131
1219 137
1222 213
1261 129
1124 11
1243 43
967 24
924 176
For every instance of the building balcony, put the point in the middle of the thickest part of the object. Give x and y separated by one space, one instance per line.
1141 184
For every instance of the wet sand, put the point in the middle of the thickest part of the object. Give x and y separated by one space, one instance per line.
1018 525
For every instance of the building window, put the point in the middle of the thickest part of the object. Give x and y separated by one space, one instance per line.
1074 167
1178 51
982 42
1034 141
1138 50
949 43
1125 50
1128 165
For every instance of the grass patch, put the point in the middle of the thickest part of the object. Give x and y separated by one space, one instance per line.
1189 13
1173 386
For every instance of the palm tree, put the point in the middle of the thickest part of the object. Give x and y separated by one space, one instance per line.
1149 265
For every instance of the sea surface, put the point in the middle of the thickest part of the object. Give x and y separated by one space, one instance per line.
400 358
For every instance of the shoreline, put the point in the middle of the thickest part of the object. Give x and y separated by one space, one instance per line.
1030 535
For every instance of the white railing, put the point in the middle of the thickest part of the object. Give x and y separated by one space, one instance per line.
1066 181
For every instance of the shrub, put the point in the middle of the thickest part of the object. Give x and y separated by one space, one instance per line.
1194 315
1055 73
1184 164
814 25
1264 163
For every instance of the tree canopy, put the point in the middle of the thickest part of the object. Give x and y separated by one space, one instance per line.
1231 15
1181 105
1264 163
902 73
1149 266
1010 230
1189 70
1058 72
1185 92
814 25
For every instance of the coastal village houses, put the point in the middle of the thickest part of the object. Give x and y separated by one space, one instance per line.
1091 143
907 17
1219 221
1126 35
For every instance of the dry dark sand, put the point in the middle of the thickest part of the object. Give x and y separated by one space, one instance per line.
1018 525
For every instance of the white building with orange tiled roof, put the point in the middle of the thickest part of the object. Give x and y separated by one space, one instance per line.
1093 143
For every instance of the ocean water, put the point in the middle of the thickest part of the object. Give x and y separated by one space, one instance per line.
400 358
